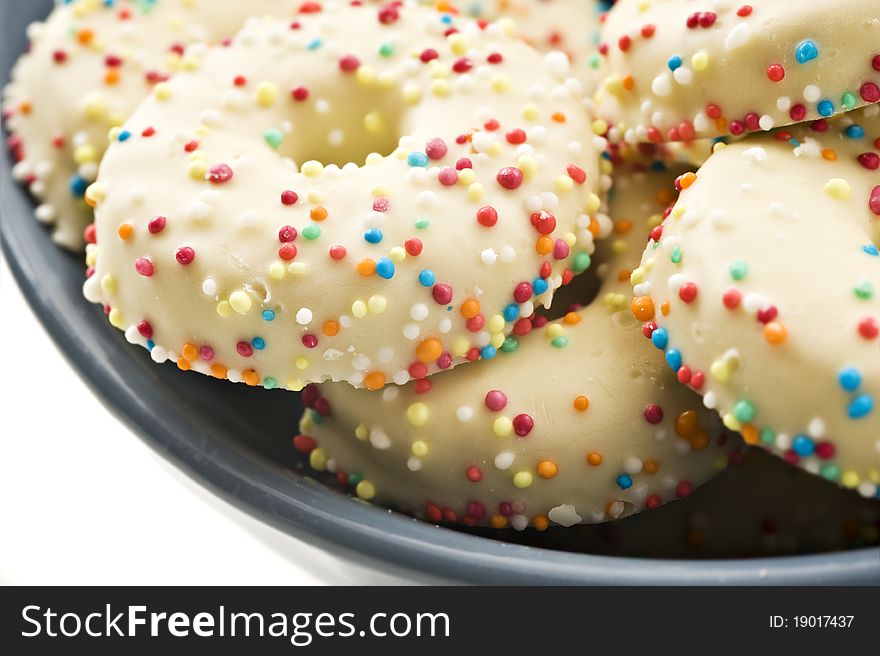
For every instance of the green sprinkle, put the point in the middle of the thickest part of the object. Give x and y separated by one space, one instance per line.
739 270
864 289
581 263
317 419
354 479
595 60
560 341
768 436
311 231
848 100
421 224
676 255
274 137
270 383
829 472
510 345
744 410
386 50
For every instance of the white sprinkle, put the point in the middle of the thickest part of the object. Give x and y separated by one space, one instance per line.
464 413
411 331
209 287
504 460
419 312
738 36
662 85
304 317
379 439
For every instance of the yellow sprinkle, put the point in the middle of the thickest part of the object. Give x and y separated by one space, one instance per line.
302 363
417 414
380 192
373 122
312 169
600 127
528 165
458 43
276 271
397 254
500 83
224 309
563 184
95 108
678 211
85 154
522 479
411 94
240 302
420 449
197 169
467 176
267 94
849 479
476 191
191 63
365 490
570 238
162 92
700 61
530 112
593 203
497 340
494 150
359 309
298 269
502 426
377 304
440 88
96 192
554 330
361 432
318 459
496 323
720 371
366 75
295 385
108 284
91 258
115 318
838 188
460 347
731 422
387 79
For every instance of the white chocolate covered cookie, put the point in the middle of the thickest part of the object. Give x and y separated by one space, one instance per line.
372 196
576 423
90 64
675 70
763 290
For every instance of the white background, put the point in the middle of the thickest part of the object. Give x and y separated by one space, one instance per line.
84 501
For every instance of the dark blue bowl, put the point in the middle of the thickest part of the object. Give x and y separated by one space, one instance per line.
236 441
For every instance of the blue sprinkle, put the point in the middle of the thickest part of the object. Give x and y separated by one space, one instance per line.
624 481
268 315
314 44
855 131
861 406
511 312
870 249
825 107
124 136
803 445
488 352
660 338
385 268
150 344
674 62
373 235
673 359
849 379
539 286
258 343
806 50
426 278
658 165
78 186
446 18
417 159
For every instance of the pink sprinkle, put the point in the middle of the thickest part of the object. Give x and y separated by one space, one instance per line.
349 63
767 314
463 163
220 174
442 294
436 149
185 255
157 225
447 176
496 400
289 197
287 234
144 267
870 92
510 177
145 329
523 424
561 250
206 353
874 200
381 204
244 349
654 414
870 161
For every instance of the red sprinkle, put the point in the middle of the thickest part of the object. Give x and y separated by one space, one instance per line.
289 197
688 292
487 216
510 177
442 294
220 174
496 400
653 414
144 267
157 225
523 424
185 255
349 63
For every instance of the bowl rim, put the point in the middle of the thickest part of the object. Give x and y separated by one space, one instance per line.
319 515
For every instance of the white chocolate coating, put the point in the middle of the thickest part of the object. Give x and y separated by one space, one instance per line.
280 273
89 66
755 508
683 69
765 285
580 424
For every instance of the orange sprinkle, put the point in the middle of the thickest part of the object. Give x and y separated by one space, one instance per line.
700 441
664 197
593 227
687 424
594 458
250 377
642 308
85 36
750 434
330 328
687 179
540 522
775 332
650 466
572 319
470 307
829 154
559 117
374 380
218 371
664 308
498 521
183 364
124 231
25 108
581 403
623 226
190 352
547 469
628 83
429 350
624 275
111 78
721 124
544 245
318 213
366 267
